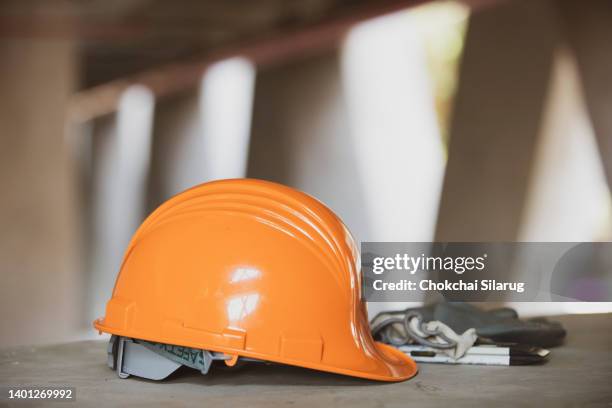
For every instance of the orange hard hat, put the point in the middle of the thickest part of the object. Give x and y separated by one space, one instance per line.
255 270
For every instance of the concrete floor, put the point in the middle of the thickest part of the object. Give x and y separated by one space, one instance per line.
578 374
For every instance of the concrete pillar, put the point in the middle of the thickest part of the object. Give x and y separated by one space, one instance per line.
589 29
569 196
178 147
503 83
38 241
301 136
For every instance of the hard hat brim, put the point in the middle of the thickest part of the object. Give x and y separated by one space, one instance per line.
397 365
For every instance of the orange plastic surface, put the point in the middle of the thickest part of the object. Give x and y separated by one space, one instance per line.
254 269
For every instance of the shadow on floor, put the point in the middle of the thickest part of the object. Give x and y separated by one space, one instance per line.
264 374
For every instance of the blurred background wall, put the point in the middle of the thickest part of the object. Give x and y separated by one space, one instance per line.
413 120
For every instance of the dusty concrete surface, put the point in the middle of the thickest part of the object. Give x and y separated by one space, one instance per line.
579 374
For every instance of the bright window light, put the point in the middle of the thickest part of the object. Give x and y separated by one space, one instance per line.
226 99
395 118
120 186
394 126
